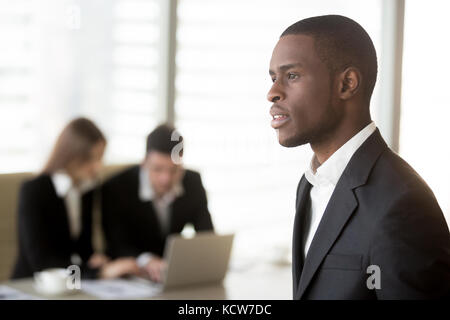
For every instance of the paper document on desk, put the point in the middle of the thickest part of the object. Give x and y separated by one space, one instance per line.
8 293
120 289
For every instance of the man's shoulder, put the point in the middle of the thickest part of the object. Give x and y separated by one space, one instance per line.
123 177
394 188
191 178
395 174
191 174
398 202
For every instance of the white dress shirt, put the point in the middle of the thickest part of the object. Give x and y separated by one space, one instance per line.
161 206
72 199
71 194
324 178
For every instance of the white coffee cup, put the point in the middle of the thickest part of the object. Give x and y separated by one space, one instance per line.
51 281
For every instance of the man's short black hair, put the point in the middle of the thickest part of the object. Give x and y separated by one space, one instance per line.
160 139
341 42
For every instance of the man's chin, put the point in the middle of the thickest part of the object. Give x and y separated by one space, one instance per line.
291 142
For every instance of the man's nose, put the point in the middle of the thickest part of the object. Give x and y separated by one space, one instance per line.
275 93
166 178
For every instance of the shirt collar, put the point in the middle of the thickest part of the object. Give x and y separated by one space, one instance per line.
62 183
146 192
331 170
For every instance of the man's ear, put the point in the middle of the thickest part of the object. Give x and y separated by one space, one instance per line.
349 83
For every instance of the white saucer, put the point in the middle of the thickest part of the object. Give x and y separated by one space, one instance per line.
55 293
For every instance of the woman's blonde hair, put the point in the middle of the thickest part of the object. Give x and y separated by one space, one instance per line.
74 144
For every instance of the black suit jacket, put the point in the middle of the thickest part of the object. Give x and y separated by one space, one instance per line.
380 213
43 230
131 226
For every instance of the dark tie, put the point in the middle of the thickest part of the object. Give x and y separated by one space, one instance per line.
300 227
305 224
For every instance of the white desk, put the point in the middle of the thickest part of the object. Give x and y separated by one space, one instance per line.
264 282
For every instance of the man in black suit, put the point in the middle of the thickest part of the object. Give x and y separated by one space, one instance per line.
367 226
144 204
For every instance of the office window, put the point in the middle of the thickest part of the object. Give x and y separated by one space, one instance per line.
223 53
61 59
102 59
16 79
425 111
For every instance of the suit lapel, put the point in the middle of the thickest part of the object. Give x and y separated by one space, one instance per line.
59 213
301 210
340 208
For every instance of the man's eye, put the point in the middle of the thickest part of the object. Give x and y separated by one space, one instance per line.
292 76
273 79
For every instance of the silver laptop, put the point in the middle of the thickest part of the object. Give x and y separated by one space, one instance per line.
198 260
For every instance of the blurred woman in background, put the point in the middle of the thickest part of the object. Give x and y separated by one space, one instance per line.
55 209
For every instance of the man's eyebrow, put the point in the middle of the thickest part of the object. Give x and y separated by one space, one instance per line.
285 67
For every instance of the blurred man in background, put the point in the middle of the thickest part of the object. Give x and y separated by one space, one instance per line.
146 203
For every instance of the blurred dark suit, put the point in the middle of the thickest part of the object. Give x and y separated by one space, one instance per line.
380 213
43 230
131 226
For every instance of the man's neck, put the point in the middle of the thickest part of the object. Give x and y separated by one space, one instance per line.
325 149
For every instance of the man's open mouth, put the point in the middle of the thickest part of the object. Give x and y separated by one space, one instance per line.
278 120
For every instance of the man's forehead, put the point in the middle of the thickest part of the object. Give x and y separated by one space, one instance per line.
292 50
